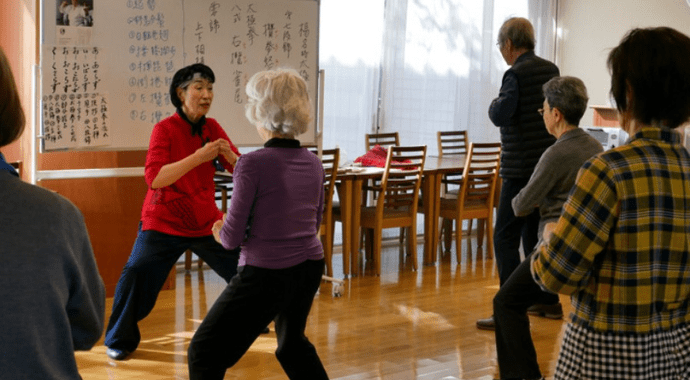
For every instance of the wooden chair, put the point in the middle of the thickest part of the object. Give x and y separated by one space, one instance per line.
223 192
397 201
451 143
383 139
475 199
330 159
314 148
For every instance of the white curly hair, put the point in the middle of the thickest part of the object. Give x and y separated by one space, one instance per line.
279 102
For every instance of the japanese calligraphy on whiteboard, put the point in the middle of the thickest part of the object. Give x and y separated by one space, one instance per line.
238 38
75 112
136 46
279 38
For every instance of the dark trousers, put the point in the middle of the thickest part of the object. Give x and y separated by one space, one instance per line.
517 357
152 258
247 305
510 229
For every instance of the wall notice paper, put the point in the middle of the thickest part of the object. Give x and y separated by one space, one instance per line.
75 112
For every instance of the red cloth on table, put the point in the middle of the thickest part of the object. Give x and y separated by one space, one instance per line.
376 157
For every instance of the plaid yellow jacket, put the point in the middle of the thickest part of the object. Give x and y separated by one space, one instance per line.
620 248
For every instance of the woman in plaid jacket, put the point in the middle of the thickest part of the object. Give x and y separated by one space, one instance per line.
621 246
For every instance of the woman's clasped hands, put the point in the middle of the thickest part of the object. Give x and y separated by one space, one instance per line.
211 150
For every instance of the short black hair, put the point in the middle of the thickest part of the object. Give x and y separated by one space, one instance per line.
652 65
185 74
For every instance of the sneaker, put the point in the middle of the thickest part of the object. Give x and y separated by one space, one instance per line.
486 324
554 311
116 354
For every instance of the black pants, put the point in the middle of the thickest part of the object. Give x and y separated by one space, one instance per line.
247 305
517 357
153 256
510 229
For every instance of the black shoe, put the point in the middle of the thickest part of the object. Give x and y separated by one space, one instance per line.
266 330
486 324
554 311
116 354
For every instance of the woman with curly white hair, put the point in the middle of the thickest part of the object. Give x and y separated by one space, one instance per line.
275 214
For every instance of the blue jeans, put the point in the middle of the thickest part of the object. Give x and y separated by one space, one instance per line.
510 229
152 258
247 305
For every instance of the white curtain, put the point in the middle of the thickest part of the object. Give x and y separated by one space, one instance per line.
417 66
430 64
350 35
441 66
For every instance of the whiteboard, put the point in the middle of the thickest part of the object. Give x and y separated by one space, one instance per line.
105 82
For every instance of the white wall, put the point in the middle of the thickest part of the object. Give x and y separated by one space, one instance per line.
590 28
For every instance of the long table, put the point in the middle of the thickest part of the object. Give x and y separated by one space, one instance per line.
349 192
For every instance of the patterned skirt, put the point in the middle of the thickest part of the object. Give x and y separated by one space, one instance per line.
588 354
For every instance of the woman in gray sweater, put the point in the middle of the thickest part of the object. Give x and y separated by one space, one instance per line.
53 299
564 104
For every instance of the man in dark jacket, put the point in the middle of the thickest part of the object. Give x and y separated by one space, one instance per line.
523 138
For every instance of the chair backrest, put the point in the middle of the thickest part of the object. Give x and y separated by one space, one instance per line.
383 139
224 188
452 142
402 178
312 148
480 175
329 159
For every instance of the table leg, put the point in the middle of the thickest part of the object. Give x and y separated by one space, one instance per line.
430 186
437 213
355 224
345 197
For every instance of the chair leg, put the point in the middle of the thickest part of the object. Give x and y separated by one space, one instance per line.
327 254
346 253
447 233
458 240
368 243
480 231
489 238
188 260
332 232
376 249
412 246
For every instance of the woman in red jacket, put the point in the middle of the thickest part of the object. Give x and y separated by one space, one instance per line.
180 208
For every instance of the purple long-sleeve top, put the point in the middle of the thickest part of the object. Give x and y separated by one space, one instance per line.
276 206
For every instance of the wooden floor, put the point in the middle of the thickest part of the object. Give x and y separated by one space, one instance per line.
402 325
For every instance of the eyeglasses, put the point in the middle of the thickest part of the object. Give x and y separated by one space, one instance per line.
541 111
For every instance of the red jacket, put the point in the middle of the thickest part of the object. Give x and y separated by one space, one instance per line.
188 206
